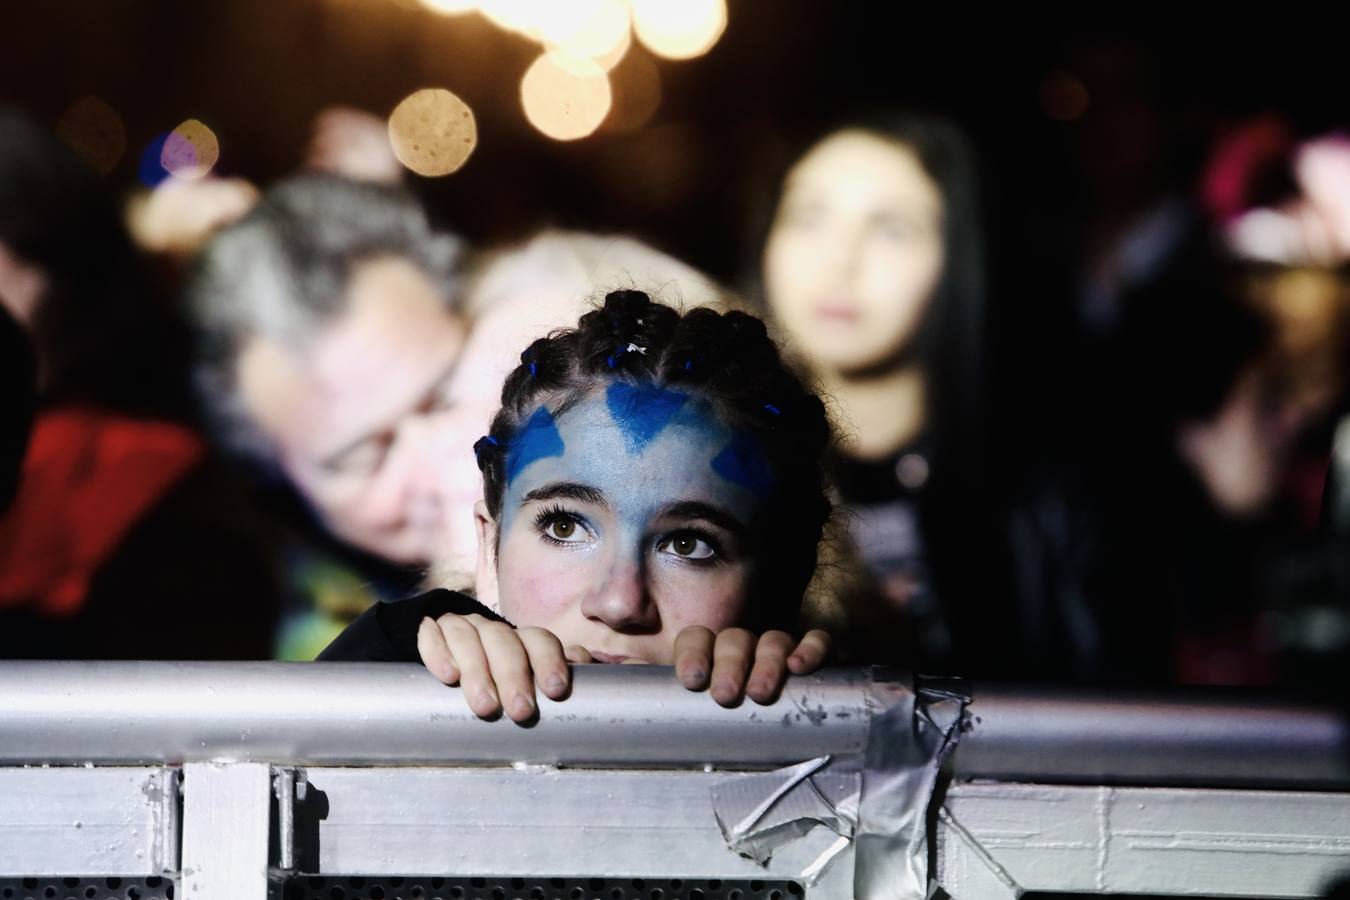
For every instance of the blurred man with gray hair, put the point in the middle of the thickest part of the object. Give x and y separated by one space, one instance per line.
327 334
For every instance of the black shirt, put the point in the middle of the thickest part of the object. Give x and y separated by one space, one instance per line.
387 632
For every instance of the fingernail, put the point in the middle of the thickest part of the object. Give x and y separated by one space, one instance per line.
696 675
555 684
724 688
522 707
760 688
487 699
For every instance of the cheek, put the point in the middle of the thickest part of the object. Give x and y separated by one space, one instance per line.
788 264
714 599
537 584
341 499
900 282
374 502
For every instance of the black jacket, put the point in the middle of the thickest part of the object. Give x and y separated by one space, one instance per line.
387 632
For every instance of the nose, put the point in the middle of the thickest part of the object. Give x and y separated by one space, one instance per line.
412 480
841 248
623 602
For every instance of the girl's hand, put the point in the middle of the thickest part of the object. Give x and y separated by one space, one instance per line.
737 662
497 666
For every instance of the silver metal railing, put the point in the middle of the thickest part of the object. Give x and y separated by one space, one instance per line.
235 779
363 714
1193 738
182 770
64 713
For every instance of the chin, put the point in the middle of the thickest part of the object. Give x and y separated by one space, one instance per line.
847 361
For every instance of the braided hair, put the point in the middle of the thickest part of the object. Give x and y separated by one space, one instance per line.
726 358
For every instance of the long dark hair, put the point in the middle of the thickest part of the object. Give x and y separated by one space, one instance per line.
952 340
951 343
959 504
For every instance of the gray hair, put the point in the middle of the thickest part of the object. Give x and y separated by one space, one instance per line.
282 273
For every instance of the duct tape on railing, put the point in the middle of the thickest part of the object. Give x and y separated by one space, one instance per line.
865 732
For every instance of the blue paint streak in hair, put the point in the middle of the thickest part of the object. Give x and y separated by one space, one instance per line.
538 439
742 462
642 412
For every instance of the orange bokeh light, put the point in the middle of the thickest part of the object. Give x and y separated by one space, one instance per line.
433 132
565 97
679 29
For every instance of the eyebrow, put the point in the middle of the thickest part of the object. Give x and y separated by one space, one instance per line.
334 459
567 490
695 509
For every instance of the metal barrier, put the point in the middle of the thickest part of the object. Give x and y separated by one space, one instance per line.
337 781
1211 793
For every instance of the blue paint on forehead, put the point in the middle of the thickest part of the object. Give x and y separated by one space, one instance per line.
742 463
642 412
538 439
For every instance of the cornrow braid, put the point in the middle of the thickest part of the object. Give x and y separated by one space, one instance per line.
727 358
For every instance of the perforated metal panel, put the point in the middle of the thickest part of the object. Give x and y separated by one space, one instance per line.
507 888
72 888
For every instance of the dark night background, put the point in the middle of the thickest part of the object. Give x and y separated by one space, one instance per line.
697 177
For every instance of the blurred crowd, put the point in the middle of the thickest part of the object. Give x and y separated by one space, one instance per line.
237 415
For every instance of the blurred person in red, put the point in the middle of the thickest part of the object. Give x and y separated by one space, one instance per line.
328 333
1282 206
18 397
115 479
1217 534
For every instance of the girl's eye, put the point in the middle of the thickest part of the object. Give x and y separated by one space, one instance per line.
687 546
564 530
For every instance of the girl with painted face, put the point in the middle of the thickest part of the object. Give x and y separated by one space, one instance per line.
653 494
873 269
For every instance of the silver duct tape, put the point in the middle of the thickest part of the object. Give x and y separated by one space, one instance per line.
911 734
759 813
876 802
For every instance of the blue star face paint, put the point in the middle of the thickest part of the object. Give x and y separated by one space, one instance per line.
537 439
642 412
631 533
742 462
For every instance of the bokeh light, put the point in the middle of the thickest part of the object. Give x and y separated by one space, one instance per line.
618 53
585 28
433 132
1064 97
520 16
190 151
679 29
95 131
450 7
565 97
